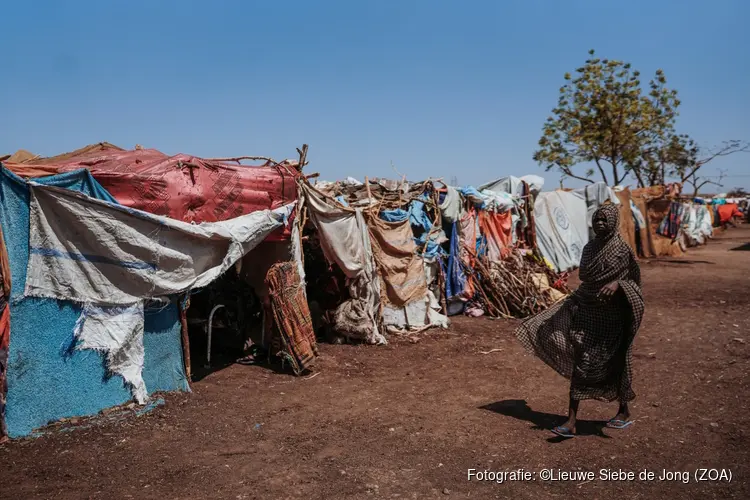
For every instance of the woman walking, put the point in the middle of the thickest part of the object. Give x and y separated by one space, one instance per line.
588 337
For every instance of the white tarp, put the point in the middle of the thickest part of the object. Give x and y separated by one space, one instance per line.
91 251
345 240
510 185
535 183
696 224
561 228
111 259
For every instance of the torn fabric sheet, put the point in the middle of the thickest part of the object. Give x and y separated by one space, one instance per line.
399 267
345 241
91 251
116 332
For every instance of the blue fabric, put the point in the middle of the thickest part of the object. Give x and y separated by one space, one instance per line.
418 218
455 279
472 194
47 380
342 200
395 215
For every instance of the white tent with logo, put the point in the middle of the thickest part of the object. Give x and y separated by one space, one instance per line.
561 228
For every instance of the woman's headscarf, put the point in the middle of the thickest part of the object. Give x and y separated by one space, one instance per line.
611 215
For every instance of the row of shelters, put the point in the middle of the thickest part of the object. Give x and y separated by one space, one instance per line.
119 267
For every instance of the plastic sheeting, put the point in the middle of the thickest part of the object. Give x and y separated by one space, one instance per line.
561 228
182 187
595 195
696 224
497 229
419 314
450 207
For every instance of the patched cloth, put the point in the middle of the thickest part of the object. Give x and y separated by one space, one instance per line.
588 340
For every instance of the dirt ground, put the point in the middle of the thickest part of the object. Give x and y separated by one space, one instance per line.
409 419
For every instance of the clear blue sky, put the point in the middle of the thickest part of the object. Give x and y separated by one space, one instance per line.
447 89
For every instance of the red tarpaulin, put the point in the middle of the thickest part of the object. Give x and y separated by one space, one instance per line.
182 187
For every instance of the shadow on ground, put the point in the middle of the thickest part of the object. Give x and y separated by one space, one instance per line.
741 248
519 409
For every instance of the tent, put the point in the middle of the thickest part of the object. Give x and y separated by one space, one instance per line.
81 284
45 382
561 228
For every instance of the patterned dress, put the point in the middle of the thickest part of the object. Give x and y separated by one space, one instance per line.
584 338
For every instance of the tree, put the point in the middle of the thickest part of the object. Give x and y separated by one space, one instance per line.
699 182
698 158
603 118
738 192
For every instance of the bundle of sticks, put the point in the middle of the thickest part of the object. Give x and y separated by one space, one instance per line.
515 286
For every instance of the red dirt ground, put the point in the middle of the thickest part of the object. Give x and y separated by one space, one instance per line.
407 420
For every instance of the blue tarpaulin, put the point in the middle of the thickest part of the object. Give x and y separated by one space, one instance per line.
419 220
47 380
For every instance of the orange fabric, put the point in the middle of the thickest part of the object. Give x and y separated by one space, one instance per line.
5 328
497 228
726 212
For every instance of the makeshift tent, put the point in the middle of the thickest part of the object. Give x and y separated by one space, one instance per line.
83 283
45 380
181 187
664 246
628 220
345 240
561 228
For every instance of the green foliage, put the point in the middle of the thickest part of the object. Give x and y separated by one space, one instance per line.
605 117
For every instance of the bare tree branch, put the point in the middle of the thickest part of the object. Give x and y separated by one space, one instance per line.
727 148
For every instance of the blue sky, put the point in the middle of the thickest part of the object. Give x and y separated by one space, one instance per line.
439 88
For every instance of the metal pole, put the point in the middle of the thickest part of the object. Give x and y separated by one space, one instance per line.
210 327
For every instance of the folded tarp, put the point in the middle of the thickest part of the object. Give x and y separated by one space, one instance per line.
561 228
345 241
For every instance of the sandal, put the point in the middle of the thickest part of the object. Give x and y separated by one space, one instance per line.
563 431
619 424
